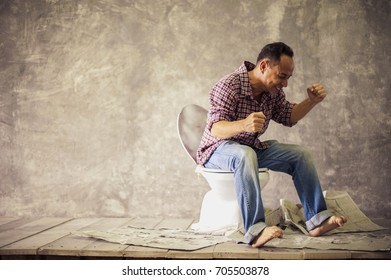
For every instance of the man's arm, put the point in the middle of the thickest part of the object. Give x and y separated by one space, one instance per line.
226 129
316 94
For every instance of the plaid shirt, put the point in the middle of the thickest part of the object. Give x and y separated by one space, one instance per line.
231 99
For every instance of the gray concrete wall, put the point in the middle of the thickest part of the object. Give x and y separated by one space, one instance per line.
90 92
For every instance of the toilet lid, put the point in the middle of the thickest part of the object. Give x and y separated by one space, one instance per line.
191 124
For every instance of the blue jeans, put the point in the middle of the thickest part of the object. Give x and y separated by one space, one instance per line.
294 160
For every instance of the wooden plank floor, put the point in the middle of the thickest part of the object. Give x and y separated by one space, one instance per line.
52 238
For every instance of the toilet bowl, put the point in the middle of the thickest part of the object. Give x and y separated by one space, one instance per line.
219 209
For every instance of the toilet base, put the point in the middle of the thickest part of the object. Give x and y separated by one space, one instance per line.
218 213
220 209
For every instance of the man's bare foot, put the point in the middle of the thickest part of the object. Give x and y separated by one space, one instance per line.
266 235
331 223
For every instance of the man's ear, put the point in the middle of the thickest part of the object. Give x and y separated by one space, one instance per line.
263 65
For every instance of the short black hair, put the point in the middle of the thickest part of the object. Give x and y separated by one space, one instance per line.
274 51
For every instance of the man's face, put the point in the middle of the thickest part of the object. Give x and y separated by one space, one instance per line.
277 75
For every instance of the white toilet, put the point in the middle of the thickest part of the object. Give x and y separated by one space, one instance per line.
219 208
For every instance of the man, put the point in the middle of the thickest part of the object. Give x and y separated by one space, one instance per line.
241 107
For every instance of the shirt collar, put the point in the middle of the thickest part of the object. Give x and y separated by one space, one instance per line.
244 78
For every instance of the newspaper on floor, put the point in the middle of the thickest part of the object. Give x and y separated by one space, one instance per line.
287 215
359 226
158 238
338 202
351 241
342 204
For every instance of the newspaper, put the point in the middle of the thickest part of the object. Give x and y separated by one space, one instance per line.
288 216
361 229
338 202
293 215
158 238
352 241
342 204
273 217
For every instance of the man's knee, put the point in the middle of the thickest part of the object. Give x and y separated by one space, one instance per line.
303 153
246 155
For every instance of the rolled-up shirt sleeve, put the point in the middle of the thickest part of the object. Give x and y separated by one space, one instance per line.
282 110
222 104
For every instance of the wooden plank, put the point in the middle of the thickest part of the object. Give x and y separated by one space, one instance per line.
6 220
172 223
23 231
16 223
140 252
370 255
30 245
314 254
50 237
268 253
71 245
102 248
200 254
233 250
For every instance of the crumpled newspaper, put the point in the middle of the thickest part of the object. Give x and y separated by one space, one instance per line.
291 217
338 202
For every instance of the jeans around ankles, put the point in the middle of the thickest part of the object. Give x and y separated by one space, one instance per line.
294 160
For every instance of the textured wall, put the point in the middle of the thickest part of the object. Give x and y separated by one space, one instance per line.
90 91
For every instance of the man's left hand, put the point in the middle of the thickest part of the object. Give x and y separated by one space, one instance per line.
316 93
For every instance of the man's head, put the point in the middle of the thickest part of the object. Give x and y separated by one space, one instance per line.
274 51
275 63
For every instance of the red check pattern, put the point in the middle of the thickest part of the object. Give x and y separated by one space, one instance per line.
231 99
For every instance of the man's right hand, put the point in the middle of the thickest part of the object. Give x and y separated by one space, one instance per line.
254 122
225 129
